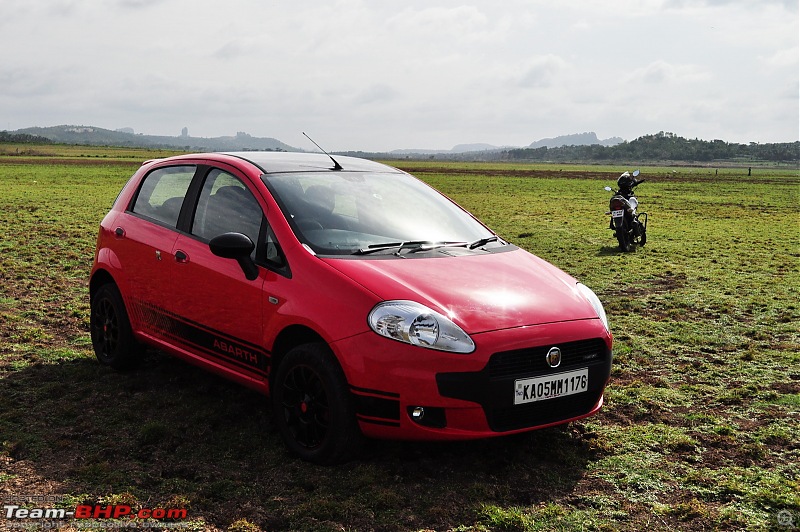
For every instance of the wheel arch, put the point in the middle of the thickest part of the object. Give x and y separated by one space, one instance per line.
99 278
288 339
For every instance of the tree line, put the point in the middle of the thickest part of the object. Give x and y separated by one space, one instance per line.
23 138
663 147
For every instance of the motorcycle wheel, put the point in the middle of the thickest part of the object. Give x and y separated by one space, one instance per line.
643 238
623 239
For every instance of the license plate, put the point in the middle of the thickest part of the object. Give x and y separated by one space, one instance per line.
551 386
617 214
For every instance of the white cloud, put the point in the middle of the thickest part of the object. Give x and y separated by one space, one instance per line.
786 58
460 24
542 71
660 72
375 94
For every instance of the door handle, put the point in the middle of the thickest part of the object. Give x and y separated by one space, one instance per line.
181 256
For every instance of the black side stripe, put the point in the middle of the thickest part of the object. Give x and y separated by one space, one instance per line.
374 392
379 422
385 406
213 343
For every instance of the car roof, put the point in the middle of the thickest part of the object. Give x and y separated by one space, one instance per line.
271 162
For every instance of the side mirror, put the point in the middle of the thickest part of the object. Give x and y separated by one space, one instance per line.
608 189
635 172
236 246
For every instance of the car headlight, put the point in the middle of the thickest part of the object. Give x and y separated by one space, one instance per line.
595 301
415 324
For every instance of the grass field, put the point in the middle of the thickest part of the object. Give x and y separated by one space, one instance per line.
701 428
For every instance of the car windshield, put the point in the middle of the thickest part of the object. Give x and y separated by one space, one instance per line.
346 213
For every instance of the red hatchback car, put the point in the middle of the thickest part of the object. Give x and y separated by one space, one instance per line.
360 299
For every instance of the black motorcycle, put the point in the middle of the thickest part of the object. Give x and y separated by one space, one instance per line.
629 227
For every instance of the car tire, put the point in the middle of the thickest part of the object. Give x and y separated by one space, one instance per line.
312 406
112 337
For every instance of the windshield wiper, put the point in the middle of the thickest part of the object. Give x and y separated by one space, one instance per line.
483 241
418 246
437 245
374 248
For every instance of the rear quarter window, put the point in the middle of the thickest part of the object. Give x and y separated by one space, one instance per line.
162 192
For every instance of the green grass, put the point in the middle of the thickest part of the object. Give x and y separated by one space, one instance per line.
700 429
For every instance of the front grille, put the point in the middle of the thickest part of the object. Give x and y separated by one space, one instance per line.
531 360
493 386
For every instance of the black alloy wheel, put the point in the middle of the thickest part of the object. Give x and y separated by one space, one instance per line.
112 337
306 407
312 406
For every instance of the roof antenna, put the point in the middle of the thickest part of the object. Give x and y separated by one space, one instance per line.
336 166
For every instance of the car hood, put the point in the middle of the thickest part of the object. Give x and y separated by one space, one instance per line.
480 293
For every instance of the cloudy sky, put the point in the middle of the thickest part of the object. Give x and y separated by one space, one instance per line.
379 75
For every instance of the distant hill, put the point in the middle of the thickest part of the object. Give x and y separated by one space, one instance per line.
571 148
462 148
95 136
577 139
126 137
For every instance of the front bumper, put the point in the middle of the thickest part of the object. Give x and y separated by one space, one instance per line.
472 396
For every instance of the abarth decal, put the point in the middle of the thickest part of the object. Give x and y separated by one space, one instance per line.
200 338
